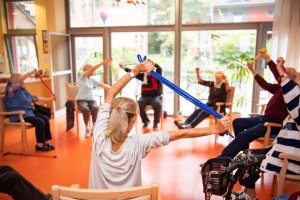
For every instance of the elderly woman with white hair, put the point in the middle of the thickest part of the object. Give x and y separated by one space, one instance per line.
218 90
18 98
85 101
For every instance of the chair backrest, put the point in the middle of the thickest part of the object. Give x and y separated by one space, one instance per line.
150 192
72 90
230 95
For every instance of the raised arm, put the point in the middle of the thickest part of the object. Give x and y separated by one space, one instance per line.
221 126
90 71
261 81
197 70
146 66
270 63
25 76
104 86
291 92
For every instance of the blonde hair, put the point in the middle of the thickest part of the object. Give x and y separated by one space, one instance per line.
15 77
123 110
87 66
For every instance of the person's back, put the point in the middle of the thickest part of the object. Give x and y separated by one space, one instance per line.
120 168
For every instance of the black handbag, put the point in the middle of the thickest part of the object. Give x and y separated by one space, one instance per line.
43 110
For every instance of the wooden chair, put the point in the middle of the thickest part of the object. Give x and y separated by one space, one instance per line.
149 108
72 90
269 137
4 122
228 105
282 177
150 192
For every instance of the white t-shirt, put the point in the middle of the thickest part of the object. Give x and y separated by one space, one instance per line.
85 87
121 169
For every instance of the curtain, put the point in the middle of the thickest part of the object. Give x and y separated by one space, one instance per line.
286 32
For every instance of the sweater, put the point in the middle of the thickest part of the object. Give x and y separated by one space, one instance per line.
122 168
153 86
288 139
276 108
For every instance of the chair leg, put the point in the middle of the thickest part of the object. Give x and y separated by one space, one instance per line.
77 122
274 182
2 137
24 139
280 185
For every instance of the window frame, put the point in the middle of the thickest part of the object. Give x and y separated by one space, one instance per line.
9 49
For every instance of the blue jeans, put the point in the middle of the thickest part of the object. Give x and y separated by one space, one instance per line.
155 102
247 130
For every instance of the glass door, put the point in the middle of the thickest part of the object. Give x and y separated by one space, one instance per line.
61 70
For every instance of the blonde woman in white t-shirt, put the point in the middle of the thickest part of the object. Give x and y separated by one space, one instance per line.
116 156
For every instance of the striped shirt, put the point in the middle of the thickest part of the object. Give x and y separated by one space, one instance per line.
119 169
288 139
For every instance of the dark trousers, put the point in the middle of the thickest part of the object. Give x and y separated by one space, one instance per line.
155 102
86 107
246 130
250 181
197 116
18 187
42 126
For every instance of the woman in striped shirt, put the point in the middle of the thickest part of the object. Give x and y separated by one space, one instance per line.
287 141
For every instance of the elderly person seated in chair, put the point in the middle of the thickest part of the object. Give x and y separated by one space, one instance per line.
18 98
218 90
116 156
85 101
150 95
287 141
249 129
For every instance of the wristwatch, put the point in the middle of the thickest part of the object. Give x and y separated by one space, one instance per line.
131 74
284 75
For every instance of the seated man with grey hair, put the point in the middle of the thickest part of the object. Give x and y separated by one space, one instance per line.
218 90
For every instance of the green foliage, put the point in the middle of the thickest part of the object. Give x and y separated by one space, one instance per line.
196 11
154 42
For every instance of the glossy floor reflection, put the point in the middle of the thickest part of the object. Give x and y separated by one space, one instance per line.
175 167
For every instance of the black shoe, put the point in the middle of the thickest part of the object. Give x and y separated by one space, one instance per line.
178 124
155 126
50 146
48 196
42 148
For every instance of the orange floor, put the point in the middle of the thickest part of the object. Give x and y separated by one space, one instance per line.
175 167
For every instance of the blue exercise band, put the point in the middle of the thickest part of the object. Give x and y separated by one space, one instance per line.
184 94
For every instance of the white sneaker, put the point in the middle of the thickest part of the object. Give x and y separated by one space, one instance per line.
87 133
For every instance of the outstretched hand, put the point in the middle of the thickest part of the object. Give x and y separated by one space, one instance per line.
222 125
250 66
197 70
146 66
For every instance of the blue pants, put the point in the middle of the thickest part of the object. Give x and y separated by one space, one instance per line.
155 102
247 130
197 116
42 126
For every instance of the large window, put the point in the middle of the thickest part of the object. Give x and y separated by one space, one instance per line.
158 46
101 13
217 50
224 11
20 15
22 53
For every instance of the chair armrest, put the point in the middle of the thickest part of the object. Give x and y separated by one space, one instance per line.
272 124
19 112
40 103
289 157
255 114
